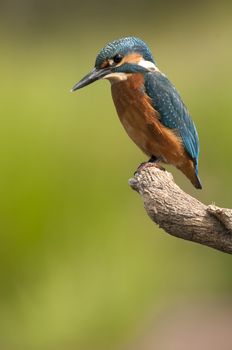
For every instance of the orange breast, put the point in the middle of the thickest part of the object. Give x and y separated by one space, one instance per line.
142 123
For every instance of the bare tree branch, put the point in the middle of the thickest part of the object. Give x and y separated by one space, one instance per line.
179 214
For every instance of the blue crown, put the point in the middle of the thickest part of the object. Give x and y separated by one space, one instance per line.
124 46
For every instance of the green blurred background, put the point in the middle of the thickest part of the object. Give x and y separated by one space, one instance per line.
82 266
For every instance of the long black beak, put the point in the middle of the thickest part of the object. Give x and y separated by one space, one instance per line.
94 75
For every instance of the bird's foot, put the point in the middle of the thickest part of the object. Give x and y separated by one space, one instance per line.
153 161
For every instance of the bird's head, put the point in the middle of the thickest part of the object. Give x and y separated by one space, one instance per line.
118 59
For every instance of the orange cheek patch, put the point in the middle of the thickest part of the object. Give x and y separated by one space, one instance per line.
132 58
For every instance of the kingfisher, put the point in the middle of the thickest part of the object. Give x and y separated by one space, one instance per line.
148 105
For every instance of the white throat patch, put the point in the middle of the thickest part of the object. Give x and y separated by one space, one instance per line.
116 77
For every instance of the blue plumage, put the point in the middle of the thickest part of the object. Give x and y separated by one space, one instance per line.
129 65
173 113
124 46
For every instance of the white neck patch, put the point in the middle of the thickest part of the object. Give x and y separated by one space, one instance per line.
148 64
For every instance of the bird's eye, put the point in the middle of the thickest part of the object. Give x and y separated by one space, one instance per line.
117 58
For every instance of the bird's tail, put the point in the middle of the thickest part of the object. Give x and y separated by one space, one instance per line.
191 171
197 182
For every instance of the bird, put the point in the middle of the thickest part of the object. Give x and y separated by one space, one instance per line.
148 105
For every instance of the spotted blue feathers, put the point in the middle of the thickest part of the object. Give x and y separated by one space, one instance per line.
124 46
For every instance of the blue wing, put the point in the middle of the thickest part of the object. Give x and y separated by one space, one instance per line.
173 113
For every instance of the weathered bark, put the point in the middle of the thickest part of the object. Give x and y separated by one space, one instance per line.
179 214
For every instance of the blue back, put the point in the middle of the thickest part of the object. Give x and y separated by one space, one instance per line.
173 113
